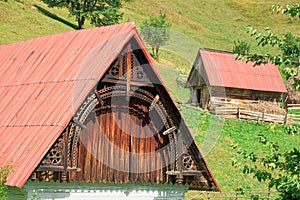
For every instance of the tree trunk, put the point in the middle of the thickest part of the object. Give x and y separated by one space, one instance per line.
153 52
157 48
80 21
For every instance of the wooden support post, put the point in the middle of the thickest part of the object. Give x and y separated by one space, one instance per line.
263 116
238 113
179 159
128 70
285 118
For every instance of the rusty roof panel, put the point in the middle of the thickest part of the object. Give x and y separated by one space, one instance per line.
223 70
43 81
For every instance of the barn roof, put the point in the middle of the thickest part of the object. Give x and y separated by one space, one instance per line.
43 83
222 69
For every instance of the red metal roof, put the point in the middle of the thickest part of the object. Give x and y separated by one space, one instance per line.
223 70
43 83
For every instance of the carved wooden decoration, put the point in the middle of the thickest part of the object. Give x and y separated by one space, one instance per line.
122 132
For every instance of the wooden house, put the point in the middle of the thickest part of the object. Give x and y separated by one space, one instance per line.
218 75
90 106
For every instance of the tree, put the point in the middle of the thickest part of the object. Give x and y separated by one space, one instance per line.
99 12
289 47
241 47
4 172
281 169
155 32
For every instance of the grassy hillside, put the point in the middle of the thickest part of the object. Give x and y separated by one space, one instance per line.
196 23
214 23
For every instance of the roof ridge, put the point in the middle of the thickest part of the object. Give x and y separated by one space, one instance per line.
217 51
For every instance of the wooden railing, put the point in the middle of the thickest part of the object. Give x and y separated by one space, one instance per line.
293 111
241 113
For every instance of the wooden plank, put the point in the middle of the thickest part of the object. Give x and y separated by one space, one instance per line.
81 159
136 147
128 69
141 152
127 147
293 105
112 156
87 142
105 147
122 82
99 144
95 142
120 67
151 154
294 108
123 141
118 140
147 154
102 146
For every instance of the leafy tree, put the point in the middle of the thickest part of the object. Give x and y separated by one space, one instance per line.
241 47
99 12
288 46
292 10
4 172
155 32
280 170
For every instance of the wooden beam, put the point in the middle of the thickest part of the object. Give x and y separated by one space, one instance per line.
120 66
156 98
185 173
57 168
128 69
134 83
179 159
170 130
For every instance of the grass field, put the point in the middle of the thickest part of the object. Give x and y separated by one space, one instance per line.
195 23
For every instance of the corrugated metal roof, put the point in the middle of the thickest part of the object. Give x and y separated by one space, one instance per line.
223 70
43 81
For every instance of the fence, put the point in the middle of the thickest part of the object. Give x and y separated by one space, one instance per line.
233 110
294 113
241 113
239 194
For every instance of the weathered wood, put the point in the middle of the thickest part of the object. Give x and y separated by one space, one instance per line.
56 168
185 173
122 82
179 160
128 69
128 145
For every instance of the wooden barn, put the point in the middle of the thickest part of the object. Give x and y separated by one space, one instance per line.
218 75
90 106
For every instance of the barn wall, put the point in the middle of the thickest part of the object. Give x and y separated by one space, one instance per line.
234 93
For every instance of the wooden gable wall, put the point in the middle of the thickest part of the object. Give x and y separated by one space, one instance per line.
124 132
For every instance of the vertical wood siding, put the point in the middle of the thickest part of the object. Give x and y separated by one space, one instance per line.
117 146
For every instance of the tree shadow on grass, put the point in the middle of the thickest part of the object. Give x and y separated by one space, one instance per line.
55 17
